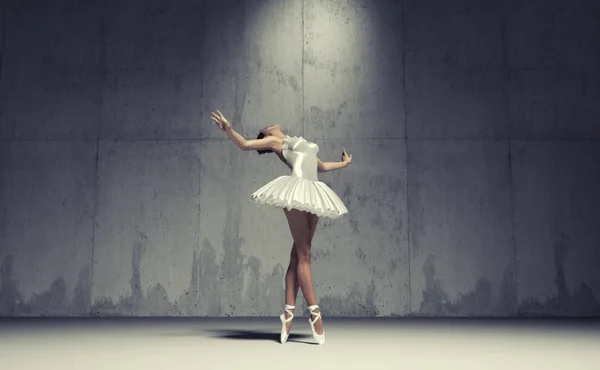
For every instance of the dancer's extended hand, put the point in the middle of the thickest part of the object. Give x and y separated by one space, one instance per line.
347 158
220 121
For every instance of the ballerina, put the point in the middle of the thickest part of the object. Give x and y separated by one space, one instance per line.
304 199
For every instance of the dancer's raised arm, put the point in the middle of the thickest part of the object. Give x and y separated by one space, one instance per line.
330 166
267 142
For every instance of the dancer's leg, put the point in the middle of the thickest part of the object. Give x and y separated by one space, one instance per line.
291 278
301 232
291 284
312 223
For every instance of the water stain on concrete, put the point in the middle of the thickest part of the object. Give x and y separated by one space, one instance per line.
507 301
348 197
252 291
479 302
11 301
581 302
82 298
156 301
354 303
231 270
212 285
216 289
53 302
273 286
207 281
264 294
127 305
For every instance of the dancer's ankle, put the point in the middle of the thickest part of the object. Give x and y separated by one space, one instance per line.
288 307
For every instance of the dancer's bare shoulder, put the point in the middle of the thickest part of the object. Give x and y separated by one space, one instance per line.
278 145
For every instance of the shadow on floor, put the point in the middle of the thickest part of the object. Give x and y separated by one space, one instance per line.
258 335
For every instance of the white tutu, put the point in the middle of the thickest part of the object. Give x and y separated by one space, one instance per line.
302 194
301 190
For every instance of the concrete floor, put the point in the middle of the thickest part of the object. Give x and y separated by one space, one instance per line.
247 343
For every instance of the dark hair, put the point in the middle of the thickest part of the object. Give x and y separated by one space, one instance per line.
262 151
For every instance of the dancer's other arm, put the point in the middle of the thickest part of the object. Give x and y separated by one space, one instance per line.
267 142
330 166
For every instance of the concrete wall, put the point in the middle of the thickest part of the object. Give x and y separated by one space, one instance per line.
473 124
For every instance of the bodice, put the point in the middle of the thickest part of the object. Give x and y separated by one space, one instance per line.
301 156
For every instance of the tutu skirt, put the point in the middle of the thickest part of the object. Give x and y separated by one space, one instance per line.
293 192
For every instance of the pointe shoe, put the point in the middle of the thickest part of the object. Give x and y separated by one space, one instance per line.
284 333
320 338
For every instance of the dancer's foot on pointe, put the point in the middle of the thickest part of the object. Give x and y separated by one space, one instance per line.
288 325
318 325
286 322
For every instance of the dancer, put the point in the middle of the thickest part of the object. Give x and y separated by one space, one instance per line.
303 199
